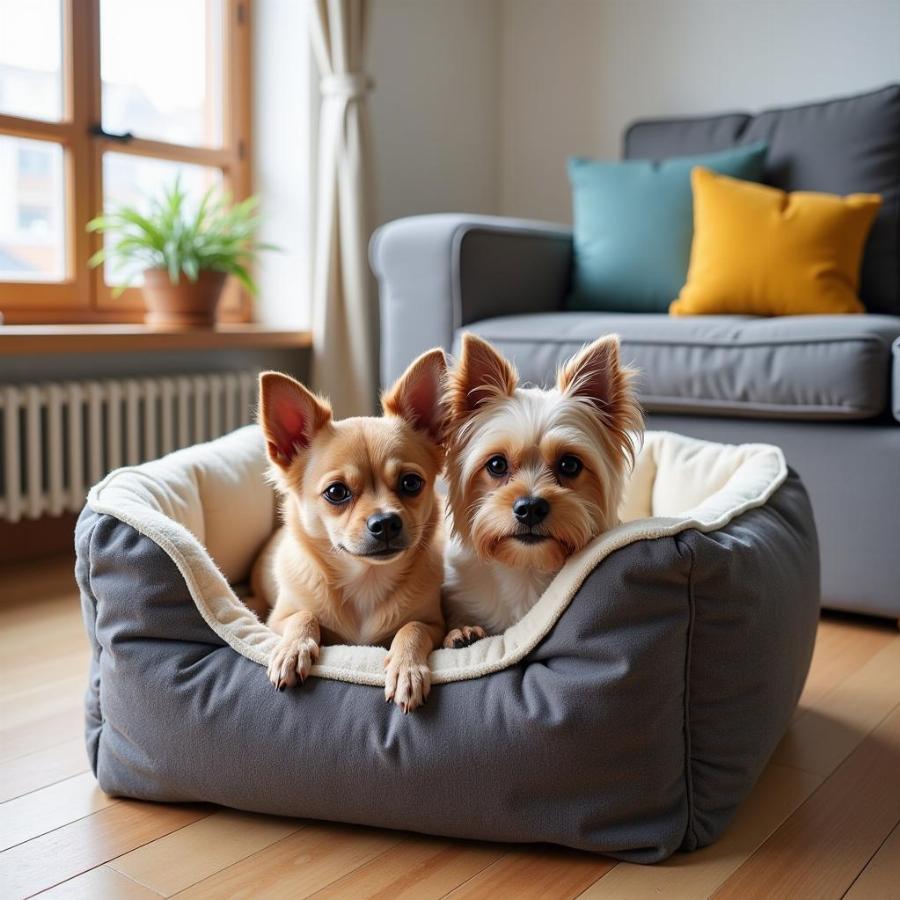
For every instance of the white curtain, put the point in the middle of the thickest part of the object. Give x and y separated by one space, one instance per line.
345 326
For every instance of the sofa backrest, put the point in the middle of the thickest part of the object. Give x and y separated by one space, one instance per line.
844 146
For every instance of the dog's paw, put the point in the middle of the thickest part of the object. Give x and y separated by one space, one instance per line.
462 637
291 660
406 683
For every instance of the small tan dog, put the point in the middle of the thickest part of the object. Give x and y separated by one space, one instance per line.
533 476
359 559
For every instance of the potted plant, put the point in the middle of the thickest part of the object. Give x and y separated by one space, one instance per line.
171 240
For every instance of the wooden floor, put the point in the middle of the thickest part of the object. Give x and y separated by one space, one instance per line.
822 822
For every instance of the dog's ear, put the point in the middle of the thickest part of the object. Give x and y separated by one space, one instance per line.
417 395
290 416
481 375
596 374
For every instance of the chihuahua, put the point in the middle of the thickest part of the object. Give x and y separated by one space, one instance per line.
359 559
533 476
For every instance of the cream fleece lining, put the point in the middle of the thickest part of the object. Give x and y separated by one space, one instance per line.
214 495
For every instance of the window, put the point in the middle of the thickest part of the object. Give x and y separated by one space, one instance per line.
34 161
35 219
102 102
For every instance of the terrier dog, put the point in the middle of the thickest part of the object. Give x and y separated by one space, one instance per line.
533 476
359 559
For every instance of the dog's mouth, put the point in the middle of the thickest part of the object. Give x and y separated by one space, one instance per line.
530 537
376 553
383 552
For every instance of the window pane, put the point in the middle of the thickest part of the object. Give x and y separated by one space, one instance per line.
31 59
137 180
161 66
32 211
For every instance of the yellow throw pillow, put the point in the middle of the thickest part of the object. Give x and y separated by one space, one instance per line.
763 252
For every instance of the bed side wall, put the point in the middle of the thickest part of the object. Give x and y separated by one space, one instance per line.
93 713
144 631
755 598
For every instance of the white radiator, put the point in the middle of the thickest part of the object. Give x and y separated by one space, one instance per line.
58 439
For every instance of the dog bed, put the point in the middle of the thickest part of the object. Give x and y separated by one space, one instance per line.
628 713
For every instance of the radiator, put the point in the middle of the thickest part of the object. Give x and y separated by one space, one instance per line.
57 439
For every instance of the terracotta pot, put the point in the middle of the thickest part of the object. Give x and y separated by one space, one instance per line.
188 304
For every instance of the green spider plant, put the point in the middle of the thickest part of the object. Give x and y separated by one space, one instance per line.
219 235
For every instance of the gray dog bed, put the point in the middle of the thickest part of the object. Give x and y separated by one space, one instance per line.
628 713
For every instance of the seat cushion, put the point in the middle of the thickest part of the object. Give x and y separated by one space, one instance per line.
845 146
792 367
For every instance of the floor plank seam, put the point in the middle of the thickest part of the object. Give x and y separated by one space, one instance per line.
796 768
268 847
134 880
50 831
487 868
598 879
187 887
356 868
476 874
48 784
865 865
87 872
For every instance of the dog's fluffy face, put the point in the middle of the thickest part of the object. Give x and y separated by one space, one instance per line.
535 475
363 487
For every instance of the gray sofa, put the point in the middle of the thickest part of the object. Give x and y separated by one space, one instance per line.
824 388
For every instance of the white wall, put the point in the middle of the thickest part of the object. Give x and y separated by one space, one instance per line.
575 72
434 106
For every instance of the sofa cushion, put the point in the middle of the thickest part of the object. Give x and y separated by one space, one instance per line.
792 367
845 146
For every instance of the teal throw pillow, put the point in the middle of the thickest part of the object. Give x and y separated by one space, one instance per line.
633 226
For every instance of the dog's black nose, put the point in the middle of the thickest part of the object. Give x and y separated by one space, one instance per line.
531 510
384 525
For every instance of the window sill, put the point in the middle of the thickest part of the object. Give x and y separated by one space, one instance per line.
52 339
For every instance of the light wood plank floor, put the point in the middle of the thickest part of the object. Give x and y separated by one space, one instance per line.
824 820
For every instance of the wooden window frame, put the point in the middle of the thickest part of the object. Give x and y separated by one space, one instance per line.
82 295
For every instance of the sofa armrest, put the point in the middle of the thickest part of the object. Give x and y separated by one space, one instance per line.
895 392
437 273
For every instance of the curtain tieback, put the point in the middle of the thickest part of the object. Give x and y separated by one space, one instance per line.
347 85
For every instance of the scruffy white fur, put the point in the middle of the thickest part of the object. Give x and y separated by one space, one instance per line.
489 593
496 567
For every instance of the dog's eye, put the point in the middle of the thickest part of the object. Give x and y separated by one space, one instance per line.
569 466
337 493
497 465
411 484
